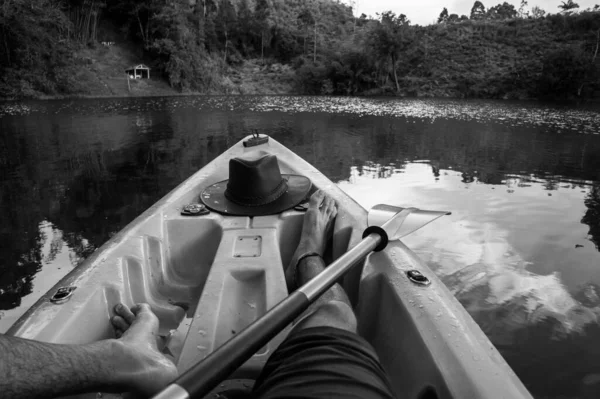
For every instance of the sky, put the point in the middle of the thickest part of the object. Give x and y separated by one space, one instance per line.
425 12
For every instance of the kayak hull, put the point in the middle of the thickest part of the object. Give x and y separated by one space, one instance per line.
208 276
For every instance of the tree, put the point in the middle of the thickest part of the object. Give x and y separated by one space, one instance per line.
144 12
30 43
211 39
453 18
244 25
262 12
537 12
84 15
443 16
522 12
592 75
173 45
199 17
564 72
502 11
284 45
567 6
478 10
351 70
225 21
315 14
389 37
305 21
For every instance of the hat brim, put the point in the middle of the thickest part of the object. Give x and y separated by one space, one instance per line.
298 188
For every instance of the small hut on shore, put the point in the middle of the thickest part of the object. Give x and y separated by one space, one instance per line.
140 71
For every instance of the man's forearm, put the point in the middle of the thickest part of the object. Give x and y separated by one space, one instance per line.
31 369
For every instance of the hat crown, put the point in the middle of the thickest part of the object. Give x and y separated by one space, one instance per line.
255 182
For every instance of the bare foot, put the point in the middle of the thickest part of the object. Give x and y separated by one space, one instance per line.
146 369
316 230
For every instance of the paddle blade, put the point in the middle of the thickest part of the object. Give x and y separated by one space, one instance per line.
407 220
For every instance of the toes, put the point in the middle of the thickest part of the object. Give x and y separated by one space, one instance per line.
317 198
125 313
326 202
119 323
332 209
331 205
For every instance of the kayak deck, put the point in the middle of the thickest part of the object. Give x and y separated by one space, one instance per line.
227 271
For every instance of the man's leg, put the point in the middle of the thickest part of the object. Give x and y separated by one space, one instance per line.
31 369
322 357
333 308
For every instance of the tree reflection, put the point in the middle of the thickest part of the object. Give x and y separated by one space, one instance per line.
19 222
592 215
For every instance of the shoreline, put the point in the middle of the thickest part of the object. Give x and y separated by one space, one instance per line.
105 96
293 94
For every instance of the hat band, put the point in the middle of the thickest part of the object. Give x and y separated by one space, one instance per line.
258 201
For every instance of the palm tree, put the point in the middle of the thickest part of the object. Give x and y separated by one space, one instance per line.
568 5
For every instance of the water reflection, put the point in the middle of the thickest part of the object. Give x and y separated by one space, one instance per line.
520 250
592 215
515 258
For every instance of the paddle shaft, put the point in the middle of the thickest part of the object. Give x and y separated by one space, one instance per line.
201 378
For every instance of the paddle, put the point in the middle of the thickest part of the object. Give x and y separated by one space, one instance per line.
385 223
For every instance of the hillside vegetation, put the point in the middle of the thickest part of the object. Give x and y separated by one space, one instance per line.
553 57
486 56
54 47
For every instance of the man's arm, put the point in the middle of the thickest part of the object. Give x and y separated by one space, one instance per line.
31 369
132 363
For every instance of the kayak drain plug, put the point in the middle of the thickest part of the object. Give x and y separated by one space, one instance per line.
417 277
194 210
62 294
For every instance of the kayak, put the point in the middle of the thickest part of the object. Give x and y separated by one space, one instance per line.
208 275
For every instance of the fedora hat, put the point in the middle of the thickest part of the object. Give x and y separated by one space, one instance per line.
256 188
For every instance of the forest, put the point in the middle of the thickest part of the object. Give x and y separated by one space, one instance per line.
495 52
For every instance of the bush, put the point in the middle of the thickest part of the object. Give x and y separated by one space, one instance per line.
563 73
310 77
327 87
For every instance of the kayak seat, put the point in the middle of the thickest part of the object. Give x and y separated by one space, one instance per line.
170 272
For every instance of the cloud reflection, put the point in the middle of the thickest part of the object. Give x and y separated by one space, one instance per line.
476 257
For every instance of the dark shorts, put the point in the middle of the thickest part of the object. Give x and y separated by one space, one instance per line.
323 362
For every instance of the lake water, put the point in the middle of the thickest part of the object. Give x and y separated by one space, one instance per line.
520 251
